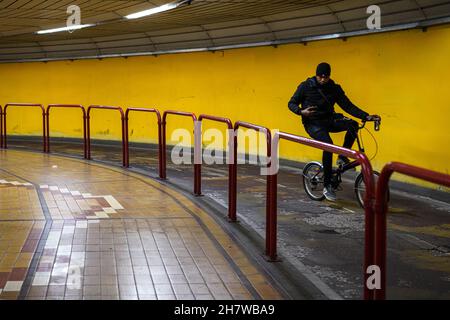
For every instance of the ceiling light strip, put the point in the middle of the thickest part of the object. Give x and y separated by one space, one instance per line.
408 26
69 28
145 13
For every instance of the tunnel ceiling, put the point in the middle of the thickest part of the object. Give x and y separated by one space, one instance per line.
200 24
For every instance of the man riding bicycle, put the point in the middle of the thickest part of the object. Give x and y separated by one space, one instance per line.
317 96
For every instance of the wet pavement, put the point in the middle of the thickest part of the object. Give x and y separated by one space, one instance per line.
321 241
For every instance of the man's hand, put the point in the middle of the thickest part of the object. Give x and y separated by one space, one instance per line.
309 111
373 117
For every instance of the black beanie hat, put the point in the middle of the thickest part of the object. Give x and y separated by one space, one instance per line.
323 69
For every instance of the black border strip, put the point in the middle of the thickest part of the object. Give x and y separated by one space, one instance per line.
42 239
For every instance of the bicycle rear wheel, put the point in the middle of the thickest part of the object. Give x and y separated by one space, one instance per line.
313 180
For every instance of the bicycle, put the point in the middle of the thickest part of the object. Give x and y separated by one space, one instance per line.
313 174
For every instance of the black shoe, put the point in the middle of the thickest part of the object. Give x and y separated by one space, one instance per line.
342 161
329 193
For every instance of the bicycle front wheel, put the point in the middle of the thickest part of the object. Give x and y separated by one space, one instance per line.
360 187
313 180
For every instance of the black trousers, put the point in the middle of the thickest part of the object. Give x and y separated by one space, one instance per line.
321 132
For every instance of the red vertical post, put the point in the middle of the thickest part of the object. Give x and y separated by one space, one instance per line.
88 135
126 133
163 149
230 166
47 116
233 182
273 220
369 234
44 132
196 179
271 210
160 150
197 158
5 139
1 127
85 147
124 142
199 169
381 209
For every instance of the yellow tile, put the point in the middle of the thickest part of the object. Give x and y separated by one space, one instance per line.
22 263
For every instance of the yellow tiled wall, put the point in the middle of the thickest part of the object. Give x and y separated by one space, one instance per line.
400 75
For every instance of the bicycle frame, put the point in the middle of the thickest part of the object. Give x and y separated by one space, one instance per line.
354 164
347 167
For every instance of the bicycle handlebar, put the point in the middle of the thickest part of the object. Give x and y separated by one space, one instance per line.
376 124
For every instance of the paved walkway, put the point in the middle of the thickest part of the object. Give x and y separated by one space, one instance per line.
70 229
320 244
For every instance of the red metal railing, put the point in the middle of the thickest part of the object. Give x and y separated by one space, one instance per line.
230 164
271 204
158 115
84 124
124 142
375 214
197 191
381 208
44 140
367 171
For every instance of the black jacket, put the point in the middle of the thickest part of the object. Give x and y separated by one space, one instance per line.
307 94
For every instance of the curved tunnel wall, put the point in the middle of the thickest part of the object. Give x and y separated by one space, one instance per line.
400 75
